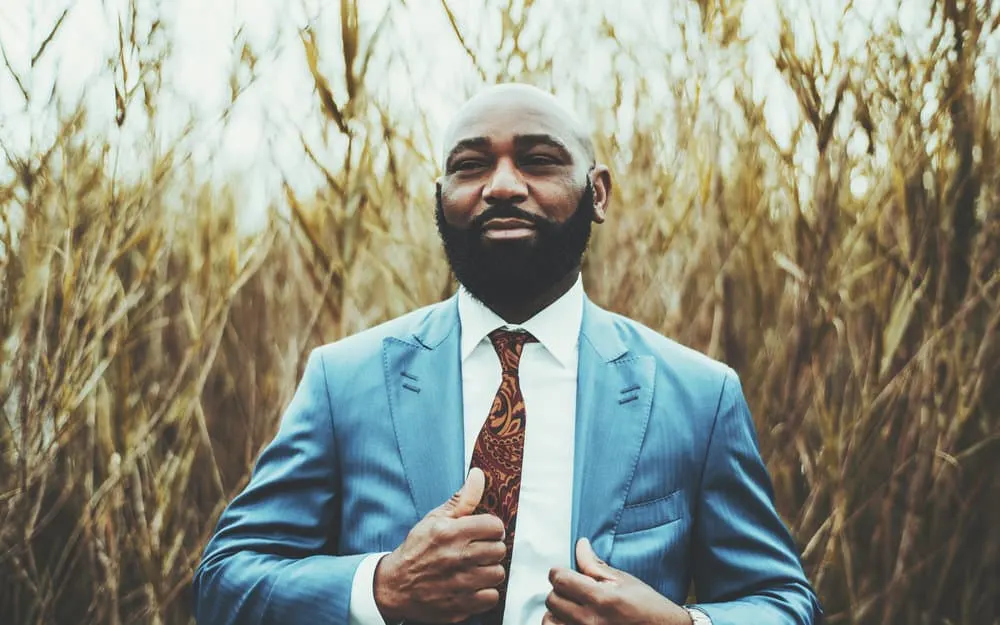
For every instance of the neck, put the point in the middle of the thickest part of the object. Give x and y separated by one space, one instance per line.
520 311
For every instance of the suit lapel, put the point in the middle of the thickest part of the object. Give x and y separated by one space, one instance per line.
424 382
614 398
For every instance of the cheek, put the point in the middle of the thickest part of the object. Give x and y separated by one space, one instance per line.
558 201
459 202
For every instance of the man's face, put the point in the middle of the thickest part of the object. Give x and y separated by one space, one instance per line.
515 203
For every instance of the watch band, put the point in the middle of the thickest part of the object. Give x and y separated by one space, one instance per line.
698 617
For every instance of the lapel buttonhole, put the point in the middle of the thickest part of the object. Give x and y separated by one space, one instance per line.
629 394
410 387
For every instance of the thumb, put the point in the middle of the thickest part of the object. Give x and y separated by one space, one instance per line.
464 502
590 565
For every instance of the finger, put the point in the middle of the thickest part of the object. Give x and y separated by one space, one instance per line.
485 576
464 502
574 586
590 565
550 619
566 611
481 552
484 600
480 527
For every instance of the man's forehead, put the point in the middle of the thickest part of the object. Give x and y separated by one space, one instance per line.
506 112
497 121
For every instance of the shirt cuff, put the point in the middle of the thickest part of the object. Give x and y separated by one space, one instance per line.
698 616
363 610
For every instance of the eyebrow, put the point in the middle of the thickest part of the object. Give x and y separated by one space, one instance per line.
475 143
520 142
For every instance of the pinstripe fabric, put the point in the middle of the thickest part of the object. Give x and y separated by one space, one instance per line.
669 484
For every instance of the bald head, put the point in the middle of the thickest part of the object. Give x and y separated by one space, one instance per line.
517 198
528 110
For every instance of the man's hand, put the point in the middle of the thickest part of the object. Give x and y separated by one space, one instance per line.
601 594
449 566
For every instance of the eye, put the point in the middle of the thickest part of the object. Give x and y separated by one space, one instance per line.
468 164
540 160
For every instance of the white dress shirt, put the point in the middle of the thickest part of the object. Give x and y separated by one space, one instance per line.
547 375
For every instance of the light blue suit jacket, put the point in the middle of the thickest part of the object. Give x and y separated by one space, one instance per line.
668 481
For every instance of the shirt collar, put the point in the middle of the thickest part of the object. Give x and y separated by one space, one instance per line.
557 326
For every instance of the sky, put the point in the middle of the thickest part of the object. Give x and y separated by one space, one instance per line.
427 69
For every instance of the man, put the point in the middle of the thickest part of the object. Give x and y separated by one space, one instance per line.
605 468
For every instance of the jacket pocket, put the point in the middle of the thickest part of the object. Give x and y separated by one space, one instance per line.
644 515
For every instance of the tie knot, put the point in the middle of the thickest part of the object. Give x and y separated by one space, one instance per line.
508 345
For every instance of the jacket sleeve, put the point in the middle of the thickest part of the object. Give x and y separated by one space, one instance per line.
746 566
272 559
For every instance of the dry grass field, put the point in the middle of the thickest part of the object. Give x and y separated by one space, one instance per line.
851 275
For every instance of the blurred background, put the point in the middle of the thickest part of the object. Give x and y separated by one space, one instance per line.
194 193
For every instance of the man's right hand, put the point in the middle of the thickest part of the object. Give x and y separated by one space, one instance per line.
449 566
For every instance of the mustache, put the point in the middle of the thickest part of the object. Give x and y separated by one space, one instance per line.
508 211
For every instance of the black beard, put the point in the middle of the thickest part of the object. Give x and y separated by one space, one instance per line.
515 272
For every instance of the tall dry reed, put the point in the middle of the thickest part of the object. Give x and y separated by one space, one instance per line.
850 274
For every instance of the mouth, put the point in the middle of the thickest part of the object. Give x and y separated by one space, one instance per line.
508 228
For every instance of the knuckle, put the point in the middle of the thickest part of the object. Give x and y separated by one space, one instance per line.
498 526
605 601
488 595
497 553
418 532
435 540
439 531
498 572
466 553
427 527
487 598
440 526
470 581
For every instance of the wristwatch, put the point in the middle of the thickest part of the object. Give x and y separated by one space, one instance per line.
698 617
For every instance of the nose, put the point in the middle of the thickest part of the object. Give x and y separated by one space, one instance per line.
505 185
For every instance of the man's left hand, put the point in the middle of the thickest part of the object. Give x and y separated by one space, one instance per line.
600 594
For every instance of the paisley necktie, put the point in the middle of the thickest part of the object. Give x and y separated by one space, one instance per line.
499 450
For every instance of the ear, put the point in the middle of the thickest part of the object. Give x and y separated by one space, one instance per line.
600 178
